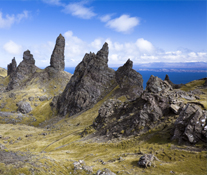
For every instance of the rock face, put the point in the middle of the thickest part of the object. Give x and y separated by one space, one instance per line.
191 125
91 81
155 85
57 58
129 80
117 119
175 86
24 70
11 67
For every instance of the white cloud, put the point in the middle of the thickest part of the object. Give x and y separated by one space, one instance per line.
75 49
124 23
79 10
97 43
192 54
202 54
144 45
12 48
8 20
106 18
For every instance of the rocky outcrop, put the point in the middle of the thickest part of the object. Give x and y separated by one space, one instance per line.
57 58
118 119
174 86
129 80
24 70
191 125
91 81
11 68
155 85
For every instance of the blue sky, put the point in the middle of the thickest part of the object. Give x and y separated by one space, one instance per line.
144 31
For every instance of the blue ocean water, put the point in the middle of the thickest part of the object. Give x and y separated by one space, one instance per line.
175 77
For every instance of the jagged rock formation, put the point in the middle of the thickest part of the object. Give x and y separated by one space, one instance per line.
24 70
57 58
191 125
175 86
129 80
155 85
11 68
117 119
91 81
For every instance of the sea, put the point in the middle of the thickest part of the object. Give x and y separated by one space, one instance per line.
175 77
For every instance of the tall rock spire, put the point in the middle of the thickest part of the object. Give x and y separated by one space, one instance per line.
57 58
11 67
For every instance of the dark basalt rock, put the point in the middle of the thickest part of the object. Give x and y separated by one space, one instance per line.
191 125
155 85
11 68
91 81
24 70
57 58
129 80
175 86
117 119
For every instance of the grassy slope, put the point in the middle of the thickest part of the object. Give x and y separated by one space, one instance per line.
3 72
35 88
197 84
63 144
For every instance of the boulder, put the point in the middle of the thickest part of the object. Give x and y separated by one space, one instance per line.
91 81
57 58
191 125
11 68
24 107
105 171
129 80
43 98
156 85
147 160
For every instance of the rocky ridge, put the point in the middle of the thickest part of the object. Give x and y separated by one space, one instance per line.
91 81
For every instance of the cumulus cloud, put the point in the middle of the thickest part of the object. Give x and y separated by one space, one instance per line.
139 51
8 20
106 18
12 48
79 10
144 45
124 23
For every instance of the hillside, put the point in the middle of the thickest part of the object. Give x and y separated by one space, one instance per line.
53 122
